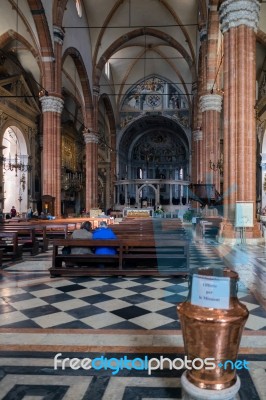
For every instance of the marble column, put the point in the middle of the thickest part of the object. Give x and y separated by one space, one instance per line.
52 107
263 180
91 140
197 153
211 106
238 21
197 143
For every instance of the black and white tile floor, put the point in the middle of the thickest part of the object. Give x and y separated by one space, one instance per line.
41 316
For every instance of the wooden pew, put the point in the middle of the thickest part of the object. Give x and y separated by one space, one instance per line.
84 260
10 247
25 236
134 257
40 231
57 231
168 256
208 225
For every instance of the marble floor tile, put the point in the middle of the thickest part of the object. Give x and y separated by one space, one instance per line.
52 320
102 320
120 293
12 317
24 305
112 305
254 322
71 304
151 320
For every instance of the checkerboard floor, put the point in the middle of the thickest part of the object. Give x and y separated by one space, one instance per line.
31 299
114 316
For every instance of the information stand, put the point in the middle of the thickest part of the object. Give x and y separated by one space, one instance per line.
244 218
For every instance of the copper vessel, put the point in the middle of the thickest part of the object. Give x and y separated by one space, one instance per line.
213 333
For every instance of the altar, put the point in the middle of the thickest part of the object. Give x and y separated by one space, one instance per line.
138 212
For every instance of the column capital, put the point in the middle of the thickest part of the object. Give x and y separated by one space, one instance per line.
59 34
203 33
211 102
197 135
96 90
90 136
234 13
52 104
194 87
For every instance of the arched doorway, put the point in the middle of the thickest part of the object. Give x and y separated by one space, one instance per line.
16 169
154 151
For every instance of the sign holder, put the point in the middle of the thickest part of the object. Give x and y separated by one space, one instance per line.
244 218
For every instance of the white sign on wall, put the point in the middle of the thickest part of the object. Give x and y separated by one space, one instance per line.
210 291
244 214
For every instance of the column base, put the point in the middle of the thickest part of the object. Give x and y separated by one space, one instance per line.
228 234
192 392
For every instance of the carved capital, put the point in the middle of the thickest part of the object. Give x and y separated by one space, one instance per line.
52 104
203 34
96 90
197 135
211 102
90 137
59 35
234 13
3 118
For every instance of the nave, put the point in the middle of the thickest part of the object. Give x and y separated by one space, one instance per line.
113 317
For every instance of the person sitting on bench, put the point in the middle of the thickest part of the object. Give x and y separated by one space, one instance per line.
104 232
83 233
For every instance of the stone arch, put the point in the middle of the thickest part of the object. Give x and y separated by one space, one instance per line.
87 104
12 35
122 41
16 175
154 188
46 44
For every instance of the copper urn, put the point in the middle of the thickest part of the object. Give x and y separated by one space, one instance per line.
213 333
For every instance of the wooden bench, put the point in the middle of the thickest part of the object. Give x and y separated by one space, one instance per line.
84 260
57 231
209 225
134 257
167 256
40 232
10 247
26 238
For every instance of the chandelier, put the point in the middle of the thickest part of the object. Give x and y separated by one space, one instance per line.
71 181
15 164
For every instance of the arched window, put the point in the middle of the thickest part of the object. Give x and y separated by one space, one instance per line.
16 170
139 173
79 8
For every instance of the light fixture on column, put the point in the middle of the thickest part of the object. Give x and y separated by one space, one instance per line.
23 182
217 166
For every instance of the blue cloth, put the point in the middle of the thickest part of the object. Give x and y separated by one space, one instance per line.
104 233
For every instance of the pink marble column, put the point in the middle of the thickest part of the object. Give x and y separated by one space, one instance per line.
239 19
197 134
211 106
91 140
52 107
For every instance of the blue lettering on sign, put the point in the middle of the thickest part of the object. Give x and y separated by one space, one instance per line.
238 364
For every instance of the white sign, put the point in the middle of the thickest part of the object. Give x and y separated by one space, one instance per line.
210 291
244 215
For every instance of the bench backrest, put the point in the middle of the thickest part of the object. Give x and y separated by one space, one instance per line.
10 238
